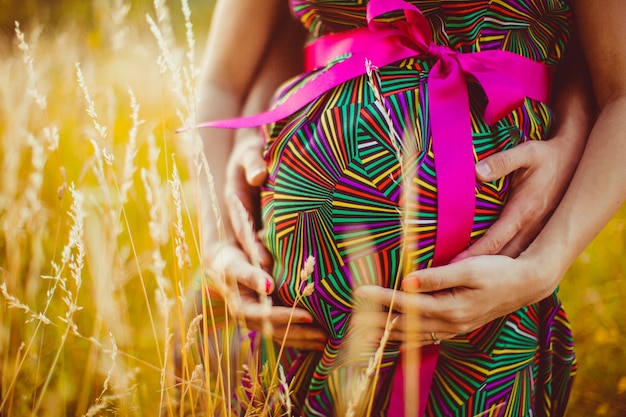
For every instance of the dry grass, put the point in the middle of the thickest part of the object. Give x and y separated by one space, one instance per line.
99 214
99 232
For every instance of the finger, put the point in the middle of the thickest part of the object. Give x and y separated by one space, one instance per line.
251 158
371 326
498 235
521 240
412 338
425 339
277 315
373 319
380 295
443 325
244 229
503 163
237 268
440 278
398 301
304 332
520 221
267 261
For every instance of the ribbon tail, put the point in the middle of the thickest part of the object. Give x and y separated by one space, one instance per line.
507 78
401 403
454 160
454 163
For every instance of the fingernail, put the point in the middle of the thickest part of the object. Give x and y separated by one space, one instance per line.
411 284
306 319
268 286
253 174
483 169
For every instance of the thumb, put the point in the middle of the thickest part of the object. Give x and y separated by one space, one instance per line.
255 171
252 161
503 163
237 268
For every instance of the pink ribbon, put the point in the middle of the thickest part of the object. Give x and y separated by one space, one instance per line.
505 77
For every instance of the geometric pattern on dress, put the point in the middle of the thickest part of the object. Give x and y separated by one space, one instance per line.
334 192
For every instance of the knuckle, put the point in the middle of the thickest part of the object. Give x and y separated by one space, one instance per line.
455 317
505 160
530 212
431 280
502 162
493 244
533 150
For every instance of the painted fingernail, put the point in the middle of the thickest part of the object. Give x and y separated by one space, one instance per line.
306 319
411 284
268 286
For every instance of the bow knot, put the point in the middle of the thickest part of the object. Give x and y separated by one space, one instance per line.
438 51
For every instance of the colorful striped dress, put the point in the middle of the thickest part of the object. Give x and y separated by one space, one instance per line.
335 192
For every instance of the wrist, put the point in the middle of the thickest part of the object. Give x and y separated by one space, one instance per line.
544 271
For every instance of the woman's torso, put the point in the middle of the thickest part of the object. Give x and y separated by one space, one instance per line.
335 182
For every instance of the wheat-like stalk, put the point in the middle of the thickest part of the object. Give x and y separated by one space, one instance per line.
402 152
131 150
73 256
367 379
31 88
119 29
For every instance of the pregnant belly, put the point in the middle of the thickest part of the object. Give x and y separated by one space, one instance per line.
340 191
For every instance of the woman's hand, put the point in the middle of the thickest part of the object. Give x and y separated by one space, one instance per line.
293 326
541 173
245 173
462 296
239 80
476 289
403 326
542 169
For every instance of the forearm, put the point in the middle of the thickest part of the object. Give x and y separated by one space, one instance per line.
573 104
598 187
595 193
217 147
279 61
284 59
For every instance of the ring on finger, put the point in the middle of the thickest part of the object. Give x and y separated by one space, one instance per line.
433 336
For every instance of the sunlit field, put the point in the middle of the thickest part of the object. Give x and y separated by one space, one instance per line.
99 247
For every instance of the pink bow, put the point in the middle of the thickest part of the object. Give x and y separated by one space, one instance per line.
505 77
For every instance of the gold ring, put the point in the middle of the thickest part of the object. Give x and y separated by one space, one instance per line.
434 337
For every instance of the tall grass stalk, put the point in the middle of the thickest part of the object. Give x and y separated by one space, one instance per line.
73 257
